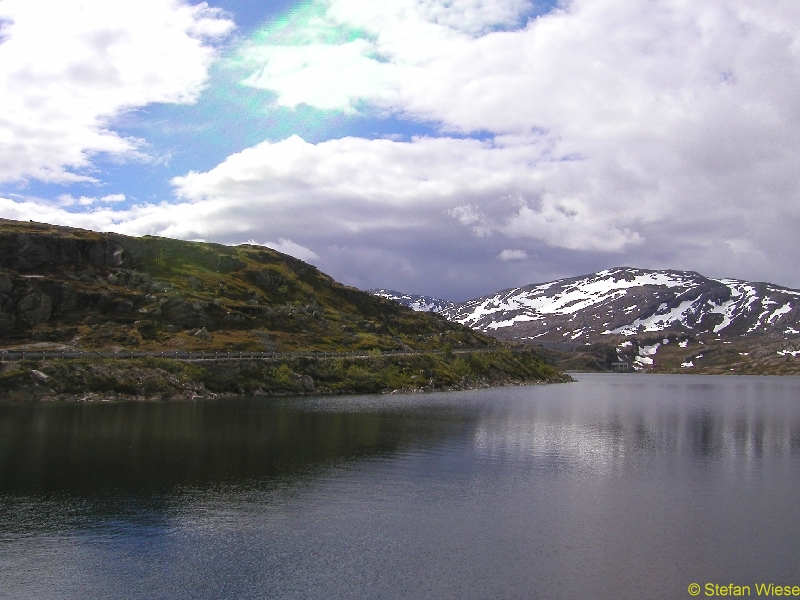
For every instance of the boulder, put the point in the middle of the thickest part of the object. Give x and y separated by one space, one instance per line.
39 377
203 334
35 307
308 383
173 302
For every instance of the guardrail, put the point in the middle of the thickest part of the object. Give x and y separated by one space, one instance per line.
44 355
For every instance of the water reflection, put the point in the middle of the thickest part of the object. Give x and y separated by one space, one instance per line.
731 421
88 449
613 487
141 448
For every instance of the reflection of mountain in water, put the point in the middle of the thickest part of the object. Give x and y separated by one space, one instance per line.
143 448
610 487
85 450
548 440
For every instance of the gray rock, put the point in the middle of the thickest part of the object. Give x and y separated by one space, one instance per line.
269 279
173 302
35 307
203 334
308 383
39 376
68 298
6 283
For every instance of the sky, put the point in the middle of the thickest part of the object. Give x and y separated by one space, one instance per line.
443 147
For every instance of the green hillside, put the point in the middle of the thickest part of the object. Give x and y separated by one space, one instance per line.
71 289
108 291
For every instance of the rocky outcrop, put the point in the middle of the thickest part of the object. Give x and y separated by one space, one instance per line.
35 307
25 252
188 314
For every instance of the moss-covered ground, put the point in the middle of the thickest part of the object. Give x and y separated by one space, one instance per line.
156 378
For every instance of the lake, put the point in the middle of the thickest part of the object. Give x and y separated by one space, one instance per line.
616 486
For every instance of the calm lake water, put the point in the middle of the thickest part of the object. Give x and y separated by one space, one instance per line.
617 486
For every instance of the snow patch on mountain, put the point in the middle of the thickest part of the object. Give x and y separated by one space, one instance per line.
626 302
414 301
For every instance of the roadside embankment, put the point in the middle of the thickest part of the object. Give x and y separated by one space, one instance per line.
168 379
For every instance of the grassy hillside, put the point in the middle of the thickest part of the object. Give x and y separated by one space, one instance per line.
107 291
70 289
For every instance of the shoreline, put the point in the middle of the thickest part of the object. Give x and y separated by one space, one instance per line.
156 379
93 397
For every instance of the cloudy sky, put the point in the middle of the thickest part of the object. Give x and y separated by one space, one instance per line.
443 147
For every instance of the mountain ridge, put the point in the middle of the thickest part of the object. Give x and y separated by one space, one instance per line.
645 319
628 301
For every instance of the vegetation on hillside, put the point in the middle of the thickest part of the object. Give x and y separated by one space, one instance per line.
64 288
155 378
107 291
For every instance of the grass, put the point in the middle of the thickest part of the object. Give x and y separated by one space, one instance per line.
175 295
156 377
231 291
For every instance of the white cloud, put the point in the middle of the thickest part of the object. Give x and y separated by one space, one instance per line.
349 185
289 247
146 219
69 200
507 255
659 133
661 129
67 68
599 68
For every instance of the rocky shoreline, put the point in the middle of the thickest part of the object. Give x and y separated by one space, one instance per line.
172 380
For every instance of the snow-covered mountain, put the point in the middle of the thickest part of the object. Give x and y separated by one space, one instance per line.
415 301
624 302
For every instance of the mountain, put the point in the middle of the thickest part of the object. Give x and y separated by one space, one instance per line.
653 320
415 301
624 302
